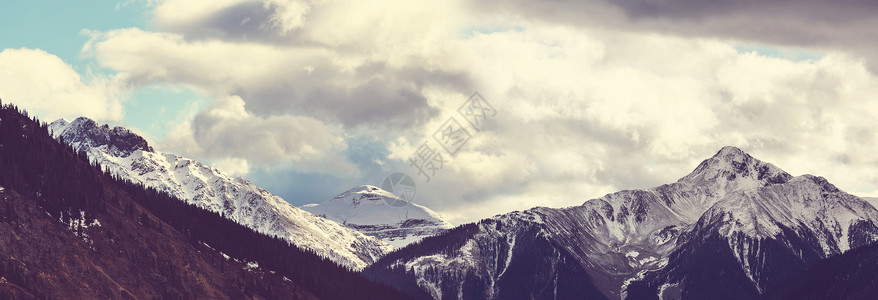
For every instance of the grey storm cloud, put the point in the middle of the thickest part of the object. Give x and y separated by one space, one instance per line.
295 74
374 102
227 130
290 87
383 96
249 21
845 25
817 10
379 95
282 83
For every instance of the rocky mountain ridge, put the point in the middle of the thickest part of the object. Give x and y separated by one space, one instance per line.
640 244
128 155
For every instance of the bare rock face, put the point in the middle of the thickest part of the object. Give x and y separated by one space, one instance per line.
84 134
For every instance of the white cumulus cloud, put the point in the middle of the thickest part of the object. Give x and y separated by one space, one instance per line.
44 84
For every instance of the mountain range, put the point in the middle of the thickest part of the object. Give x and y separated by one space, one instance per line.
70 229
734 228
90 211
129 156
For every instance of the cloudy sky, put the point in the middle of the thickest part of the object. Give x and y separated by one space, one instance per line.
310 98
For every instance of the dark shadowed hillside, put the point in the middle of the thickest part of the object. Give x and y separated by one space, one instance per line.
68 230
852 275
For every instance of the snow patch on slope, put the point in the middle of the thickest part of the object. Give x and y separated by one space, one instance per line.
804 203
208 188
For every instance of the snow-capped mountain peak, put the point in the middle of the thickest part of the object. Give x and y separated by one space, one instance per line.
85 133
366 195
631 216
368 209
735 226
733 164
767 232
129 156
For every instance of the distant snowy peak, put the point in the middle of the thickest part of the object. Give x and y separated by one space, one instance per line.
368 209
365 195
370 205
130 157
85 133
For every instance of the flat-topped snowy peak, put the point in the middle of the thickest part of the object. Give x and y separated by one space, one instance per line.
236 198
368 209
370 205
